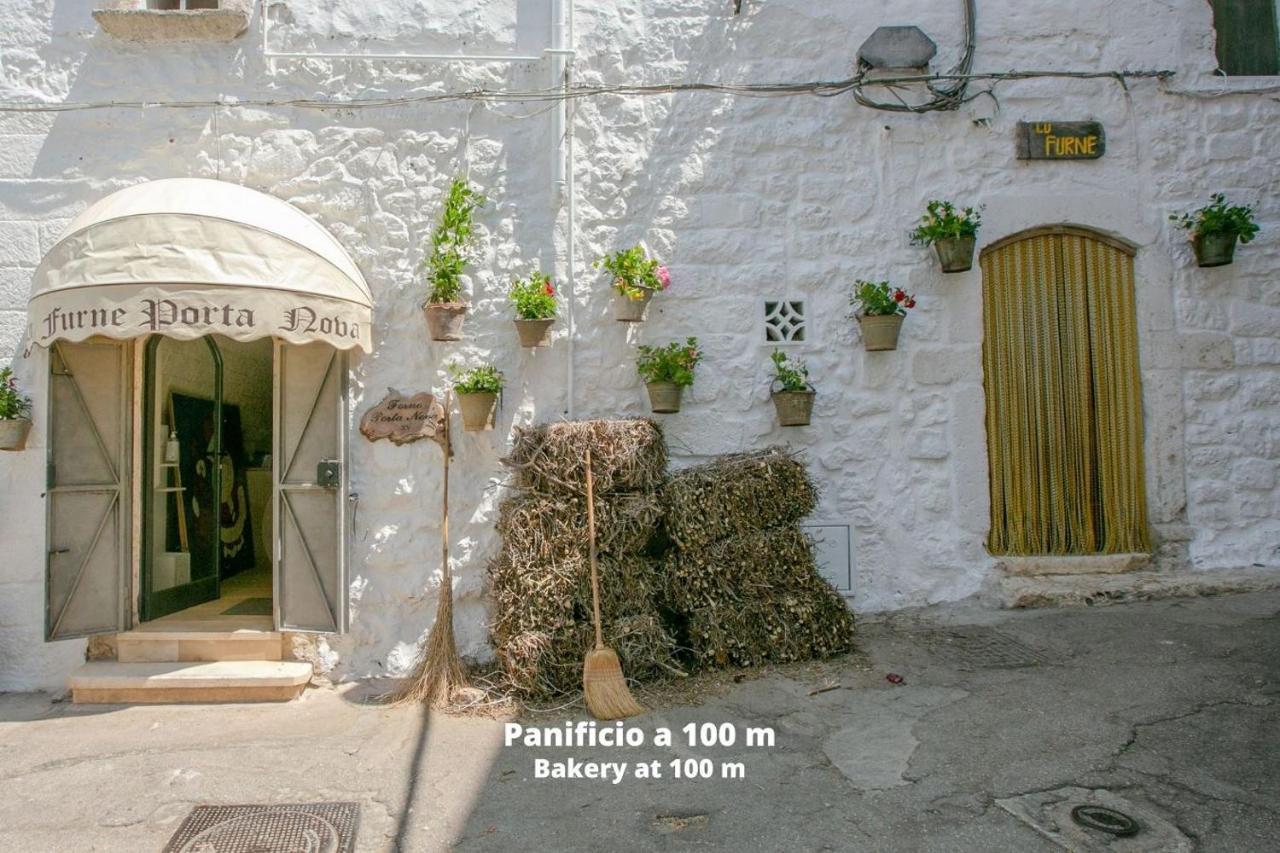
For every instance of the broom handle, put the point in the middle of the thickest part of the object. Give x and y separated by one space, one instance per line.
591 553
444 517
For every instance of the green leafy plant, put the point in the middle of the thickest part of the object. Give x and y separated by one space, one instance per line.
451 243
534 297
484 379
635 274
673 363
878 299
789 374
14 405
946 221
1218 217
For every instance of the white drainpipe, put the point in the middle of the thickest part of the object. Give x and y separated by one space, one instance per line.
562 74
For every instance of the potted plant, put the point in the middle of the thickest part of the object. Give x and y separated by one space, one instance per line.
880 310
477 390
636 278
450 245
667 371
1214 229
15 413
953 233
792 394
534 299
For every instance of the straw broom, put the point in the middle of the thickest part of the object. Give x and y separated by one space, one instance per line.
439 671
603 684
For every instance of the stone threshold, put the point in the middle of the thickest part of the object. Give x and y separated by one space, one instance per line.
1086 590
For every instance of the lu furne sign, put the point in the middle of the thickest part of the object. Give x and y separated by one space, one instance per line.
1061 140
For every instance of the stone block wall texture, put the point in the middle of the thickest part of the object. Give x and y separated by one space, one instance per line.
744 198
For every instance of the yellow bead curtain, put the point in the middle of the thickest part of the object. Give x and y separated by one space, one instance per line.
1064 399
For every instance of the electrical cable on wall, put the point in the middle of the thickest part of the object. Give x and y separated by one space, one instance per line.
945 97
755 90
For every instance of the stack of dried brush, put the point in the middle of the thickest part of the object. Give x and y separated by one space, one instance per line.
541 580
740 585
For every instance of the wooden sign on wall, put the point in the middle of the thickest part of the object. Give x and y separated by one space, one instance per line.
1061 140
404 420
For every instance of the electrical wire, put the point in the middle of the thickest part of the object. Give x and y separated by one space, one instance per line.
819 88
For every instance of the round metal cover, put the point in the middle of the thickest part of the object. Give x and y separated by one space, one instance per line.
1105 820
275 831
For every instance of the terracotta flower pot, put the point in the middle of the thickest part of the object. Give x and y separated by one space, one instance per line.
956 253
1214 250
664 397
795 408
535 333
628 310
478 410
13 433
444 320
880 332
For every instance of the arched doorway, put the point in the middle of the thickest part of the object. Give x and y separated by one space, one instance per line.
1063 395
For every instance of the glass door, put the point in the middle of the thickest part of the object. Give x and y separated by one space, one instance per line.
183 467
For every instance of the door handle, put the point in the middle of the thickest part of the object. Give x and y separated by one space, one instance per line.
56 551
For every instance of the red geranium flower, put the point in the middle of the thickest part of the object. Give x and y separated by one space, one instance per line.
899 296
551 291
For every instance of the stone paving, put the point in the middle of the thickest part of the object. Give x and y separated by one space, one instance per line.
1165 710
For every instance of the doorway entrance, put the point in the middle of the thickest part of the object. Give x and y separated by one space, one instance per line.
207 516
238 475
1064 396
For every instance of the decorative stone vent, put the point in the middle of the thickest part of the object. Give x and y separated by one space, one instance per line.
784 321
174 20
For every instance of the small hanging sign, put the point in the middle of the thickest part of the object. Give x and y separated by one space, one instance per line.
404 420
1061 140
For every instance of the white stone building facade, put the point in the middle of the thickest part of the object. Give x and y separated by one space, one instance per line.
747 199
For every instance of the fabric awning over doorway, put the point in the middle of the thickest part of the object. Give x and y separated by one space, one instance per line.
188 257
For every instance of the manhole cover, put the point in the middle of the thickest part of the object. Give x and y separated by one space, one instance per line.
1106 820
301 828
975 647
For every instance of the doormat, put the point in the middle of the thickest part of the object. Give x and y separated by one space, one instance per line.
249 607
285 828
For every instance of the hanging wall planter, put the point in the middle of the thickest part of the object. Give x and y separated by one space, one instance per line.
534 333
880 310
636 278
793 395
477 389
955 254
444 263
1214 250
534 299
444 320
631 310
13 433
479 410
667 371
664 397
15 413
1215 228
953 233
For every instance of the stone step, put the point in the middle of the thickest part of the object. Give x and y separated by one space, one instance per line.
1015 591
182 682
1091 564
162 646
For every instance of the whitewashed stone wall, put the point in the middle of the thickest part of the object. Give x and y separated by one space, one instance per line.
744 198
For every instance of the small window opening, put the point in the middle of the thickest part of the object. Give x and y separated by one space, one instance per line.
181 5
1248 41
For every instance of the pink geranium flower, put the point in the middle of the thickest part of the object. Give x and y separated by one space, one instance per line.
664 276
